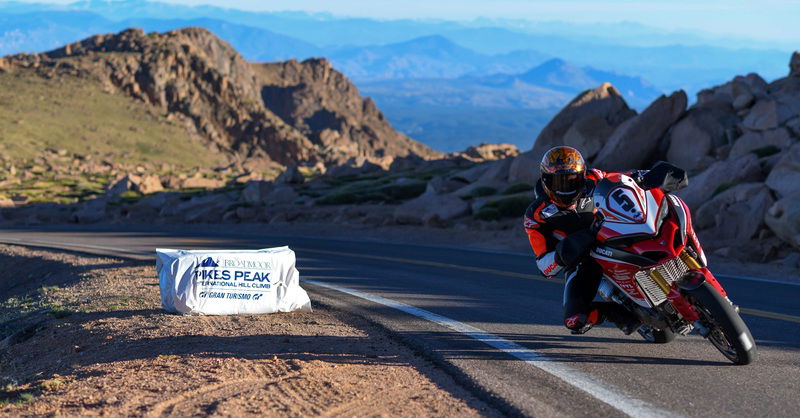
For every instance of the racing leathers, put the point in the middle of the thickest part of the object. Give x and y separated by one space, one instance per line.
561 238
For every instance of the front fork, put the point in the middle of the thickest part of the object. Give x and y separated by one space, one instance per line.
695 278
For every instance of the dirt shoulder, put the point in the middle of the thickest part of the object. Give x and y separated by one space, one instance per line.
84 335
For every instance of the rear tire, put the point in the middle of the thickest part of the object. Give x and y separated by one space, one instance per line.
729 334
656 336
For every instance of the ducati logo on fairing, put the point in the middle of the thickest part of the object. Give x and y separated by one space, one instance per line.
603 251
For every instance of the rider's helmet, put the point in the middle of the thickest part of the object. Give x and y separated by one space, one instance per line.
563 175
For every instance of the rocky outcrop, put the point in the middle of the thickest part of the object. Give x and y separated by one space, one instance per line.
588 119
431 208
735 215
258 114
634 142
718 177
491 152
784 178
327 108
783 218
740 143
696 135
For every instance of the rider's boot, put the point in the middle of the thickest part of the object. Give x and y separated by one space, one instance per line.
580 323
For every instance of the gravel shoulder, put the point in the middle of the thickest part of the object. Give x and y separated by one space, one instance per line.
85 335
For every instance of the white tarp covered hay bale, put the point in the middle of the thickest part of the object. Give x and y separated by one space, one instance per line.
230 282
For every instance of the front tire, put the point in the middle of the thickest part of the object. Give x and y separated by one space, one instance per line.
729 334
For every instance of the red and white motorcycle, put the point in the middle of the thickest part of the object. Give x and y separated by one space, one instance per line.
654 266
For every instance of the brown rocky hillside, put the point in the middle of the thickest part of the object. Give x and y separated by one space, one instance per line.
259 115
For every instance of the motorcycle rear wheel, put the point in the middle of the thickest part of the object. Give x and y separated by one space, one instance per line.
656 336
729 334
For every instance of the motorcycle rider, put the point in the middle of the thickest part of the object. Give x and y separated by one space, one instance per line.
559 224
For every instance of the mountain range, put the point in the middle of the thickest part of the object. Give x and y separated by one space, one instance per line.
421 70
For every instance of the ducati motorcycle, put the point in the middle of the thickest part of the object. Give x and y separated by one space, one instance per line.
654 266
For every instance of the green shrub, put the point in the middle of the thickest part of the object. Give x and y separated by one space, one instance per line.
513 206
480 192
517 188
509 207
404 191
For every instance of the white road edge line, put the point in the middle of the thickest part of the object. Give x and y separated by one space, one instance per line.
614 397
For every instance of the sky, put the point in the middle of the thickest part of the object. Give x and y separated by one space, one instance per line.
766 20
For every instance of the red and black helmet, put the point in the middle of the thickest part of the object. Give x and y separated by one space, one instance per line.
563 175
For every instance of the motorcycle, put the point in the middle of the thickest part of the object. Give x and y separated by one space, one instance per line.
654 266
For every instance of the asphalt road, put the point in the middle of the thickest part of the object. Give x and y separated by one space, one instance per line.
493 322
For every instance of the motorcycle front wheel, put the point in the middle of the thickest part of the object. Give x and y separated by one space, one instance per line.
729 334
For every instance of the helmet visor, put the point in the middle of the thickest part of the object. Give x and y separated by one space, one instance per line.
565 188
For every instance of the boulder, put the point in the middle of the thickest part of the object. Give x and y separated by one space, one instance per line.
91 211
281 194
736 214
699 132
588 135
149 184
793 126
738 93
759 140
471 174
788 104
354 167
146 184
718 176
783 218
126 183
785 176
291 175
431 208
633 143
440 184
6 202
763 116
525 168
197 181
496 171
743 101
255 192
604 102
491 152
208 208
794 64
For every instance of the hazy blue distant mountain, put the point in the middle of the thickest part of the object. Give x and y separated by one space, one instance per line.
559 75
42 31
624 48
426 57
669 67
551 84
255 44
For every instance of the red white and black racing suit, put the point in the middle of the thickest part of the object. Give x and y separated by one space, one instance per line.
561 238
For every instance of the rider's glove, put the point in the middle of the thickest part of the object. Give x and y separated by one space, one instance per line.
664 176
571 250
